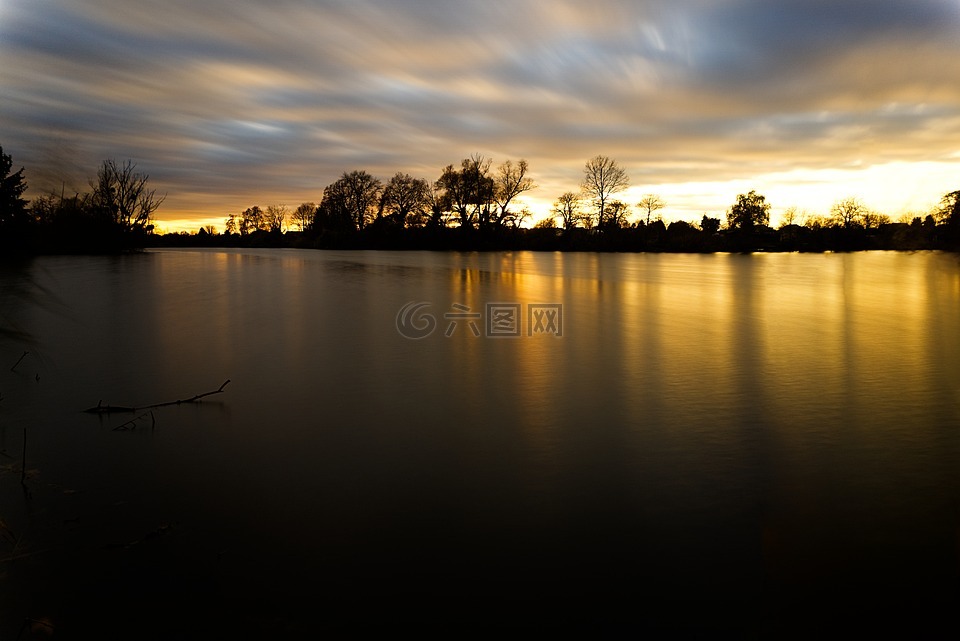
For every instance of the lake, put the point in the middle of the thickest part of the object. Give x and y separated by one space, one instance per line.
756 445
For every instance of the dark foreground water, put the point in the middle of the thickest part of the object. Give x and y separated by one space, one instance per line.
764 445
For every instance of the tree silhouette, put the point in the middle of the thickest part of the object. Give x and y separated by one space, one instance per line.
334 212
873 220
452 195
121 194
651 203
567 207
750 210
848 212
709 225
14 217
468 192
615 215
789 217
510 181
252 219
303 215
360 196
603 177
405 199
950 211
275 218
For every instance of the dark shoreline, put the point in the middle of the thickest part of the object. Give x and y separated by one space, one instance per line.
675 238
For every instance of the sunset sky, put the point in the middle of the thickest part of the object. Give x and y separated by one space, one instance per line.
233 103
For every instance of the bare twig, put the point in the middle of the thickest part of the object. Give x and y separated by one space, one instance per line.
192 399
107 409
129 425
23 356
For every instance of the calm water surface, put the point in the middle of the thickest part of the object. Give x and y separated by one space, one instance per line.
754 444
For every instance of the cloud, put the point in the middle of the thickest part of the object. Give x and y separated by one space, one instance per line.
235 101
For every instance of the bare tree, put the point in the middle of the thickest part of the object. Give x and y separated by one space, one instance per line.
406 199
516 219
451 195
789 217
480 186
303 215
510 181
873 220
848 212
813 221
615 215
550 222
468 192
121 194
252 219
651 203
567 207
361 196
603 177
437 211
275 218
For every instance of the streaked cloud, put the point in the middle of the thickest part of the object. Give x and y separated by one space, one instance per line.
232 103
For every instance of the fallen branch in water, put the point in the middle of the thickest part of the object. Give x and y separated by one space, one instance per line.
132 423
107 409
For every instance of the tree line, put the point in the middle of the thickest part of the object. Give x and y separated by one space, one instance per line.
115 214
471 205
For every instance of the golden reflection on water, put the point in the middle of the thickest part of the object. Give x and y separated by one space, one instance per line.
787 415
837 344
